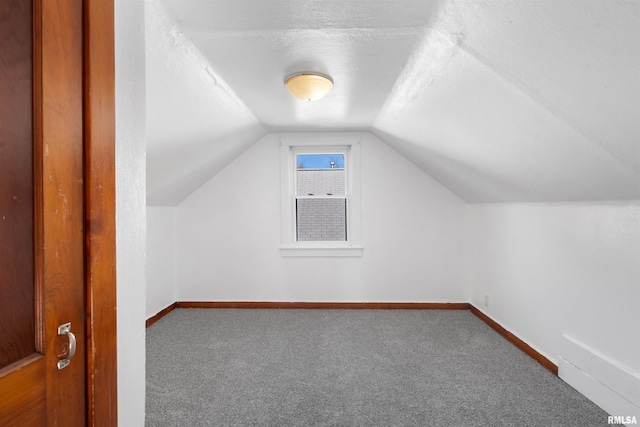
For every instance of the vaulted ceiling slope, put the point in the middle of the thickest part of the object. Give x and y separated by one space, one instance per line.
499 100
196 124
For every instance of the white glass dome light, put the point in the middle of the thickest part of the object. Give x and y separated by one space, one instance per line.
309 86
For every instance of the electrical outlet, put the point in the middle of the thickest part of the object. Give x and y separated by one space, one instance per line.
486 300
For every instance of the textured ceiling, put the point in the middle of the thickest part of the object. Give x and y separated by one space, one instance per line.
498 100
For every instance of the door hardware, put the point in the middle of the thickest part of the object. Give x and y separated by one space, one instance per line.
66 330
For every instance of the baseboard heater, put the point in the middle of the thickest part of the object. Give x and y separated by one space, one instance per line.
612 387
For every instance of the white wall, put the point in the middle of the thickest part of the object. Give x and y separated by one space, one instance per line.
130 209
161 258
565 268
228 234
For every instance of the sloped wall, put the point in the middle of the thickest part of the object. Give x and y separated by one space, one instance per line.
228 236
195 122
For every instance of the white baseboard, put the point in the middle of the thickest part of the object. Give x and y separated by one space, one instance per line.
610 386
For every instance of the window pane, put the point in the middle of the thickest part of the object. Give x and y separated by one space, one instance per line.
320 174
320 161
321 219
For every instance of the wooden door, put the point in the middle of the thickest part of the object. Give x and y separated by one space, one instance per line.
42 278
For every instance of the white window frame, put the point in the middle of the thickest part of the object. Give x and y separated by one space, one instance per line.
345 152
290 147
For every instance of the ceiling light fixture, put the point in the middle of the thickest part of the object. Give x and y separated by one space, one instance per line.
309 86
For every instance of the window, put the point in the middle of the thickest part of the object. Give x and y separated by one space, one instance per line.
320 196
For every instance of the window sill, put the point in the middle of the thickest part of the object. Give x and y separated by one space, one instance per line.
320 251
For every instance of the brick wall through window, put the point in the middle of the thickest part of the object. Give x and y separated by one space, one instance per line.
321 217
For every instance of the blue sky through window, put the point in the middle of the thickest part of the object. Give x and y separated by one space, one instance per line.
319 161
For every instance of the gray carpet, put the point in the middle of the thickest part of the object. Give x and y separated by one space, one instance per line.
208 367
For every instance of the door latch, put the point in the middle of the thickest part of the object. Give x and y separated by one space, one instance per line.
66 330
